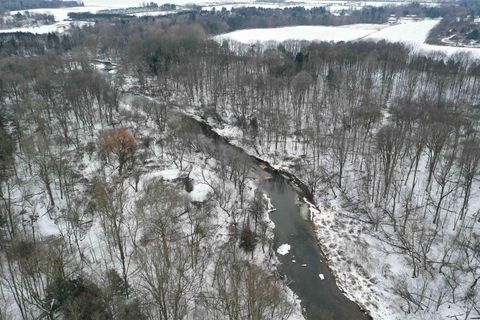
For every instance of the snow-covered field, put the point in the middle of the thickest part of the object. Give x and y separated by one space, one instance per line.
407 31
309 33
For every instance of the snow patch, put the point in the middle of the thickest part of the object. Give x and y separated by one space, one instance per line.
283 249
169 174
270 207
200 192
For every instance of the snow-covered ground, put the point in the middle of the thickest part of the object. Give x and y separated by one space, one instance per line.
370 270
408 31
309 33
94 244
153 13
342 237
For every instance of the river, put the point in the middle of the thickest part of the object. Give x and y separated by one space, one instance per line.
305 267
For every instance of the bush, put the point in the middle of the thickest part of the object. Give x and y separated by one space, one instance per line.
247 239
474 35
77 299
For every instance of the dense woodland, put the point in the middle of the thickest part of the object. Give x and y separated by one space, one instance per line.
25 20
7 5
395 135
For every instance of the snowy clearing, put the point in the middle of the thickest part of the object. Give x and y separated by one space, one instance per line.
309 33
169 174
62 21
58 27
407 31
61 14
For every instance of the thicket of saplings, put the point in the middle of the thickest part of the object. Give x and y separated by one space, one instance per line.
367 116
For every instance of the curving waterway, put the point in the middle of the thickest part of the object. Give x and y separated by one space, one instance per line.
304 267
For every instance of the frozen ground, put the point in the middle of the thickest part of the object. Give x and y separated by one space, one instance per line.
94 243
309 33
407 31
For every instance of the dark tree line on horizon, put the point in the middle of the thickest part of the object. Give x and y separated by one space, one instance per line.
11 5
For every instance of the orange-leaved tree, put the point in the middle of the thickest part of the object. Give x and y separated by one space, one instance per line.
122 144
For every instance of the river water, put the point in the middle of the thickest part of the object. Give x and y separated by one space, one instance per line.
303 265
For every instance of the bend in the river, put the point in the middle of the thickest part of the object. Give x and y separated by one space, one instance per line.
305 266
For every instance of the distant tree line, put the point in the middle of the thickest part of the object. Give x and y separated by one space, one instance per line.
11 5
96 16
27 43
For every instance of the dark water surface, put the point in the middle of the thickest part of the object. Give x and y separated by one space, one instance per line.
321 299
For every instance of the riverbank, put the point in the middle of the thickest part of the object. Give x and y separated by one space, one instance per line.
339 232
306 267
